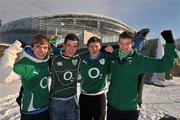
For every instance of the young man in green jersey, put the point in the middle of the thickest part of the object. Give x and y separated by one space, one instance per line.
93 69
32 70
126 65
63 92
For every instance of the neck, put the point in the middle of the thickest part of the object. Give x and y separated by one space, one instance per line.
126 52
66 55
94 57
124 55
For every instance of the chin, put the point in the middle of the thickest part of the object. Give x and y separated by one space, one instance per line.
124 52
41 58
71 54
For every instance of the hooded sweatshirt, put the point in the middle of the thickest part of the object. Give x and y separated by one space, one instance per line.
33 75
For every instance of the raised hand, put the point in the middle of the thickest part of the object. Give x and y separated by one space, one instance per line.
168 36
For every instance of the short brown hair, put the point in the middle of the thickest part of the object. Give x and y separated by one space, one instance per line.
127 34
94 39
72 37
40 39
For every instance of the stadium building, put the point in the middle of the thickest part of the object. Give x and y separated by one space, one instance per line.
84 25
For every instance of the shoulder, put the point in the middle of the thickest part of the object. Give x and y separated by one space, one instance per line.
20 66
83 54
23 61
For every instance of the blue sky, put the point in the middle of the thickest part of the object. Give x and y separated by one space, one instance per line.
154 14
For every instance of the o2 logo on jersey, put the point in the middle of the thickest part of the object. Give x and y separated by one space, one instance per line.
93 73
44 83
67 75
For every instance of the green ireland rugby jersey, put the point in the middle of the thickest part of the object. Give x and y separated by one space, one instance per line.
94 74
64 76
35 84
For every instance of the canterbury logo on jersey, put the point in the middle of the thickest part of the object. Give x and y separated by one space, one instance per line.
59 64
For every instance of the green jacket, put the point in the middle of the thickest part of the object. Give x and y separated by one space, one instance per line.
123 91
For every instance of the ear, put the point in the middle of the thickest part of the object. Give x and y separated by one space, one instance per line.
133 43
118 43
100 46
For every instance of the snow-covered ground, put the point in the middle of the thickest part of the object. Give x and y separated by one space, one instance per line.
161 101
9 110
157 101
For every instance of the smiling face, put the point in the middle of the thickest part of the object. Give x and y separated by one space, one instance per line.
40 46
125 44
40 51
70 47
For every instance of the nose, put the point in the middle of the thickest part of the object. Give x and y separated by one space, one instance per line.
124 46
70 48
43 50
94 48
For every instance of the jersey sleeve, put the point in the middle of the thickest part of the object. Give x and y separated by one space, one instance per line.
20 69
150 65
